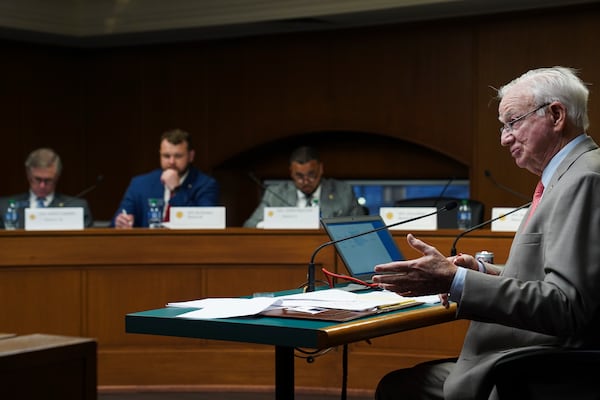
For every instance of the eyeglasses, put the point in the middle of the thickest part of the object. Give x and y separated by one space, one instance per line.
45 181
311 177
510 125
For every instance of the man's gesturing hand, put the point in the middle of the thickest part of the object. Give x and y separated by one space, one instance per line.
431 273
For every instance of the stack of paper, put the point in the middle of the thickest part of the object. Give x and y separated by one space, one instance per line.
311 302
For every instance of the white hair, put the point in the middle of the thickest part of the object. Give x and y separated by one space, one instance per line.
555 84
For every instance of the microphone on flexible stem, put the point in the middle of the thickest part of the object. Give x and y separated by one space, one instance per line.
311 265
268 189
489 221
488 175
441 195
85 191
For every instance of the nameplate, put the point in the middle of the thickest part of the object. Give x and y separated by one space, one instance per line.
196 218
509 223
291 218
54 218
391 215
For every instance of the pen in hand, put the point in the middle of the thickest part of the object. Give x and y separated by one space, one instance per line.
126 218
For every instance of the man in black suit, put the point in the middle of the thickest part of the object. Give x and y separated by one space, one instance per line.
43 167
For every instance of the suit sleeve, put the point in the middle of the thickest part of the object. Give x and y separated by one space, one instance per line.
551 283
205 192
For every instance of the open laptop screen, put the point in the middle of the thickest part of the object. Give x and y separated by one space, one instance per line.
361 254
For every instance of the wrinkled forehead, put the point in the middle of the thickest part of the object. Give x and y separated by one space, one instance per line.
515 101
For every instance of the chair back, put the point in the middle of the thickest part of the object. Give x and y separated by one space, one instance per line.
445 220
548 374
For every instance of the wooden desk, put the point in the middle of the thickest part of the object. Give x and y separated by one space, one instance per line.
285 333
81 283
40 366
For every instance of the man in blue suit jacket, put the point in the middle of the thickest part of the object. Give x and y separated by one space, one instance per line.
178 183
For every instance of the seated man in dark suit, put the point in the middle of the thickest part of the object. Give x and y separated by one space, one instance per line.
43 168
308 189
177 183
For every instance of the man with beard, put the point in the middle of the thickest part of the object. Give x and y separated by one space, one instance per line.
177 183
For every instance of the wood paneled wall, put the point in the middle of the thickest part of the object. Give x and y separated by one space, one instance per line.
426 85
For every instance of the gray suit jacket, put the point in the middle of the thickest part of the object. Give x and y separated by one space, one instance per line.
549 291
59 200
337 199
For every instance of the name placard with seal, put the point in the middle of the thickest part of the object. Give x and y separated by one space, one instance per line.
291 218
509 223
196 218
392 215
54 219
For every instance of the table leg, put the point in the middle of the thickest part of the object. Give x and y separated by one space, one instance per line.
284 373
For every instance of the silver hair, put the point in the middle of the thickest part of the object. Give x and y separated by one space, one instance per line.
556 84
43 158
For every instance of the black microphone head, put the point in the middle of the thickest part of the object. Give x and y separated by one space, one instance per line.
254 178
451 205
99 178
487 173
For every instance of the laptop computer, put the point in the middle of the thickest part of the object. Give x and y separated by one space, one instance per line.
361 254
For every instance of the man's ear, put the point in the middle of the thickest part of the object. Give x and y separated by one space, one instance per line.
558 113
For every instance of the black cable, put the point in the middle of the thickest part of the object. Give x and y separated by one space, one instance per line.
311 355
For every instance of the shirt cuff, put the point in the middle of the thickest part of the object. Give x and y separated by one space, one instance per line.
482 267
458 283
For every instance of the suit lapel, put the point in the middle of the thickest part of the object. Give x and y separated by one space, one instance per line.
587 145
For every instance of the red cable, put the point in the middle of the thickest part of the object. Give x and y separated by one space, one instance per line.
329 275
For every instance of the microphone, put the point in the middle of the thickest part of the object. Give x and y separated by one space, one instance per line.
268 189
471 229
441 195
488 175
311 265
85 191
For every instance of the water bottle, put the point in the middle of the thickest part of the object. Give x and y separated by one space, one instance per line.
463 215
11 218
155 213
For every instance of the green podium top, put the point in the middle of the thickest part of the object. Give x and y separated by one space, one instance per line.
287 332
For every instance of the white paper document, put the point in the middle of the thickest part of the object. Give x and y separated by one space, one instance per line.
305 302
224 307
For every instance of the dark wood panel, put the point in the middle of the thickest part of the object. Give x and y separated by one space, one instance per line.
89 280
425 84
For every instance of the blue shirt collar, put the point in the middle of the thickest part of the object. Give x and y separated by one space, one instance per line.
559 157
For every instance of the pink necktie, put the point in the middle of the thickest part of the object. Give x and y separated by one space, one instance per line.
537 195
